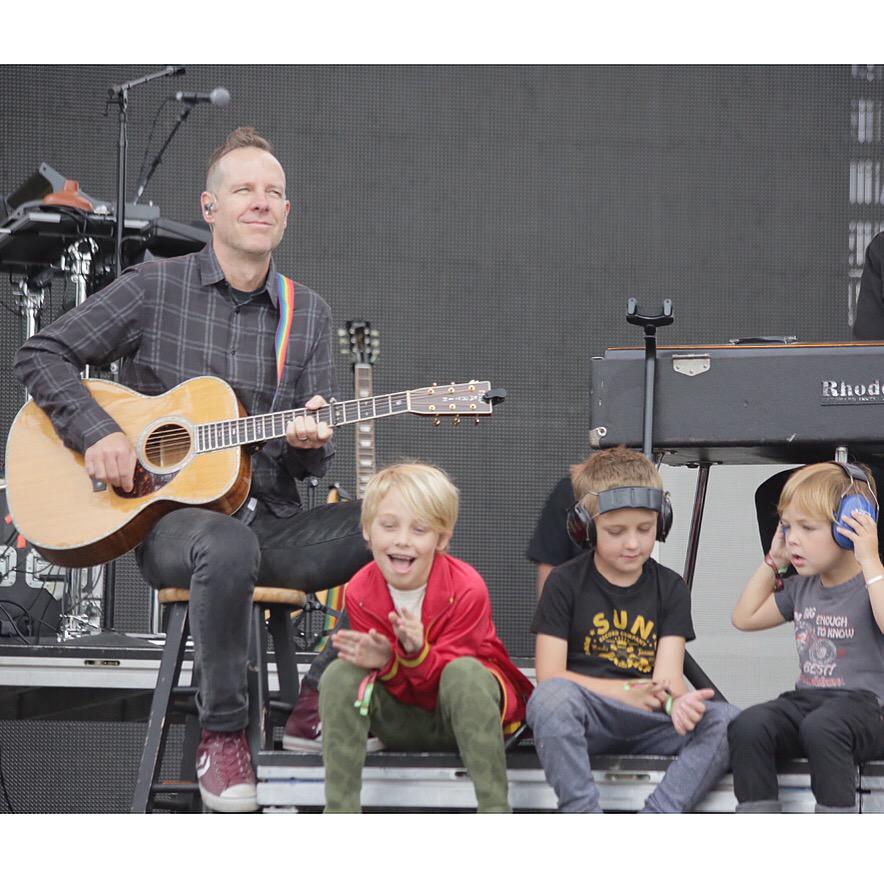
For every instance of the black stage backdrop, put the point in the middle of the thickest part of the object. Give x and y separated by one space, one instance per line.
492 221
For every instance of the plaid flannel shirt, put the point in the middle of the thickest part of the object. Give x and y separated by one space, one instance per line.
170 320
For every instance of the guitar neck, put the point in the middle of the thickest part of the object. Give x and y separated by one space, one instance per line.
365 447
216 435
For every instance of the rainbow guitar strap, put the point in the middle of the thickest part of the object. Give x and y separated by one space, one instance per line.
285 289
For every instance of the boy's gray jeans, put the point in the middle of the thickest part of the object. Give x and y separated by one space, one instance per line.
570 723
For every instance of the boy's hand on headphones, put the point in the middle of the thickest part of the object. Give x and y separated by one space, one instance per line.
778 551
864 534
688 709
409 630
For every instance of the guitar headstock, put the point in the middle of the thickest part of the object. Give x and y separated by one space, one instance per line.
360 342
472 399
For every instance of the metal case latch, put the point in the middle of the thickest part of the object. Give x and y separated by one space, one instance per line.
691 364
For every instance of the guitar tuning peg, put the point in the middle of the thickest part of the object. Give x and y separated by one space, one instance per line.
342 333
436 421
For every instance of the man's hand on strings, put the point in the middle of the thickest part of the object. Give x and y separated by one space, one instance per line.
305 431
111 460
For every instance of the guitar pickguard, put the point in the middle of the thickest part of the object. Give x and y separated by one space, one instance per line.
145 482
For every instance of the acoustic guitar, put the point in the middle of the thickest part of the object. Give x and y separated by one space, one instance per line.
189 444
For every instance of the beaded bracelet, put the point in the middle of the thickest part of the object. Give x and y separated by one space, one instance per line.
778 572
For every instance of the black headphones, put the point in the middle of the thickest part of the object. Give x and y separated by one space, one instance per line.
581 526
852 500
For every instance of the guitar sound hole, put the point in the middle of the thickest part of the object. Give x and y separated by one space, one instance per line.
167 446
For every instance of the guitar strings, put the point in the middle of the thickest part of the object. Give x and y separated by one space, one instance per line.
286 416
179 436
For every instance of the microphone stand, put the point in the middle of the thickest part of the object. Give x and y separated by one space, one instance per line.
119 93
185 113
651 322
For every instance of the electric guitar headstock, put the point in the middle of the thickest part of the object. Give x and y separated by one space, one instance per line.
360 342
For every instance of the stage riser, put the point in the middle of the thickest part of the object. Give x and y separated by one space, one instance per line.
90 767
286 788
75 767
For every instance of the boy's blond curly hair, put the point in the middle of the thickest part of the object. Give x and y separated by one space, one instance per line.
817 490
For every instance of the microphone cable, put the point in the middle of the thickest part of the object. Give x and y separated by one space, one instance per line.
153 129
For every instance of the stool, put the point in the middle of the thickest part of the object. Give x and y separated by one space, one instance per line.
271 604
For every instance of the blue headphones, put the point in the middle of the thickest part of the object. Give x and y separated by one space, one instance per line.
852 500
581 526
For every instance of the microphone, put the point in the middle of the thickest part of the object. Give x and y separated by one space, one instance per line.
42 279
219 96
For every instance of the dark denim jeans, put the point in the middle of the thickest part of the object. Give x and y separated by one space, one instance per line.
221 559
834 728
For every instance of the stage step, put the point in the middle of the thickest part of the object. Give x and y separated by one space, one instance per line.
291 781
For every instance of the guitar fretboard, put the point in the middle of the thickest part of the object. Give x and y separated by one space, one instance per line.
365 456
263 427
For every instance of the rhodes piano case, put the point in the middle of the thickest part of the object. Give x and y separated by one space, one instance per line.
745 403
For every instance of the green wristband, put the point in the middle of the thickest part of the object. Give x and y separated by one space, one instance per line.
667 706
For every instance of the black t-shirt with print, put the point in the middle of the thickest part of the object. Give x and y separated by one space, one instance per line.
612 631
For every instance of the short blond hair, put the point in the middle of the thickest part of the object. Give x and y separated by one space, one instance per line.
426 490
243 136
612 468
817 489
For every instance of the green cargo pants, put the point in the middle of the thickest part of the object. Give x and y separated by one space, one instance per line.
466 719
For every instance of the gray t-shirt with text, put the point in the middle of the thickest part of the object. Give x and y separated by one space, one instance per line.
839 643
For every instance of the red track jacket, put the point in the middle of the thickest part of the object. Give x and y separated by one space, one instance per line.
456 615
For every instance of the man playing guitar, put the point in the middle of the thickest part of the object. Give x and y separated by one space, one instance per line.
221 312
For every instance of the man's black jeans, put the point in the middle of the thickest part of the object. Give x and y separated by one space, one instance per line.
221 559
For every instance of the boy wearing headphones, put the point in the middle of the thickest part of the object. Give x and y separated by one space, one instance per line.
611 629
833 717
